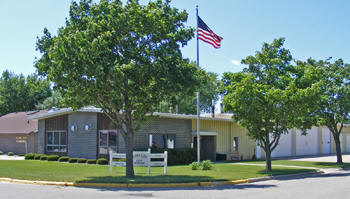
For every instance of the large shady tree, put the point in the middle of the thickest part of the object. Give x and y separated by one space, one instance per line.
333 110
268 98
125 58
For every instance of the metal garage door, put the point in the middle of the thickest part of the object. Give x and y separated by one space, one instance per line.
341 137
326 141
284 147
307 144
348 143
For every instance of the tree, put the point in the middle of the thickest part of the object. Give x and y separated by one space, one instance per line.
125 58
19 93
333 110
187 102
55 100
267 98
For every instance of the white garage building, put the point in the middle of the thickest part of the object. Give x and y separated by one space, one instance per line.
317 141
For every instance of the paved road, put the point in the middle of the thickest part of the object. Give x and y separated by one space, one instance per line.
331 185
327 158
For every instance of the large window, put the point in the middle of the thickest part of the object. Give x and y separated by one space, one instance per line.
107 141
56 141
164 141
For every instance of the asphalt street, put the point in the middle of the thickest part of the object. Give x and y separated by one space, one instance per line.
330 185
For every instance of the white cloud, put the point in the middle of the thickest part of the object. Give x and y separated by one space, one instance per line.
235 62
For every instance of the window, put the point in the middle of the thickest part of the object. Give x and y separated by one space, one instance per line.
56 141
107 141
235 143
164 141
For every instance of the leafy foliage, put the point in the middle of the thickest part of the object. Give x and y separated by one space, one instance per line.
19 93
52 157
73 160
43 157
91 161
82 160
63 159
206 165
29 156
55 100
333 107
269 96
125 58
187 102
102 161
194 165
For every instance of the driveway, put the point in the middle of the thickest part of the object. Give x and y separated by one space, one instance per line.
328 158
15 157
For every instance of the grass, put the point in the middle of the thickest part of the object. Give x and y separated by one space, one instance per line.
321 165
66 172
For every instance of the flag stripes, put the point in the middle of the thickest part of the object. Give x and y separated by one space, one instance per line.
207 35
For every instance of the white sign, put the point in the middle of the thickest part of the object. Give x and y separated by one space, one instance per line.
141 158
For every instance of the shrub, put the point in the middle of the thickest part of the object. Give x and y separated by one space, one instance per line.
206 165
21 154
102 161
91 161
52 157
63 159
43 157
73 160
1 153
37 156
29 156
178 156
81 160
194 166
10 154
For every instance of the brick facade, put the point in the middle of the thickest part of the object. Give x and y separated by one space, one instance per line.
84 144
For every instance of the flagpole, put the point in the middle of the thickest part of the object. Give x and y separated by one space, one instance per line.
198 111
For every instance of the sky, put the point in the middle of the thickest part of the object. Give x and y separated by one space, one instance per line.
314 28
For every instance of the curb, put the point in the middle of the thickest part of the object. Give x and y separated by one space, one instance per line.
158 185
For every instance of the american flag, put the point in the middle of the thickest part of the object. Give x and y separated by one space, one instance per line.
207 35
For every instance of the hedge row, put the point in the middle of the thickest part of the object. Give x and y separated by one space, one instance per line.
31 156
178 156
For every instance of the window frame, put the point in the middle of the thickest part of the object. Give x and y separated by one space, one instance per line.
107 146
151 136
235 145
59 145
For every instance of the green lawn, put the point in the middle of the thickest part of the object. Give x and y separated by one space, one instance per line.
67 172
322 165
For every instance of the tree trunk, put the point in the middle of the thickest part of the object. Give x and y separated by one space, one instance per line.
268 160
129 155
338 148
268 153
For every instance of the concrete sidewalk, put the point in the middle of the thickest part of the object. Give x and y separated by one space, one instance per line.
276 165
326 158
15 157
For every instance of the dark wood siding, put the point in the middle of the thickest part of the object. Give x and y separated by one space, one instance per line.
57 123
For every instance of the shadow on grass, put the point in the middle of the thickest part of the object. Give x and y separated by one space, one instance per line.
281 171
